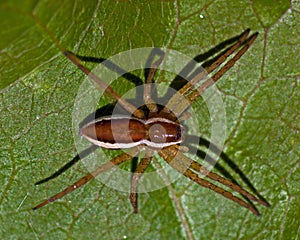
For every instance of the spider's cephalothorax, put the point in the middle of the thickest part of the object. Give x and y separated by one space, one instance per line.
158 129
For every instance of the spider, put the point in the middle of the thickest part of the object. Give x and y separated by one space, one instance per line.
157 129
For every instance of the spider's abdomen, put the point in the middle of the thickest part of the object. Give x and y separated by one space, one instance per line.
124 132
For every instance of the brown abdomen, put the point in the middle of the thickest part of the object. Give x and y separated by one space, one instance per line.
112 131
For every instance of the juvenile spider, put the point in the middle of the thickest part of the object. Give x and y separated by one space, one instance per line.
157 128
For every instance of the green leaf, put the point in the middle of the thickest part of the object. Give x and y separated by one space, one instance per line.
39 85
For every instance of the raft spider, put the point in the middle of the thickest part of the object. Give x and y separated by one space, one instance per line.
138 131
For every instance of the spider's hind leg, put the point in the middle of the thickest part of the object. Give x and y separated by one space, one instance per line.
64 168
82 181
104 86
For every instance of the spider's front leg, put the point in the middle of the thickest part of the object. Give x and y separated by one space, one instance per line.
185 165
192 94
200 90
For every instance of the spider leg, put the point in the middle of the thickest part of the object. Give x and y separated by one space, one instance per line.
151 105
64 168
134 182
168 154
82 181
213 176
187 90
190 85
99 82
126 105
184 116
196 93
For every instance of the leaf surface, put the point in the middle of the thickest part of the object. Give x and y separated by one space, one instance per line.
39 85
